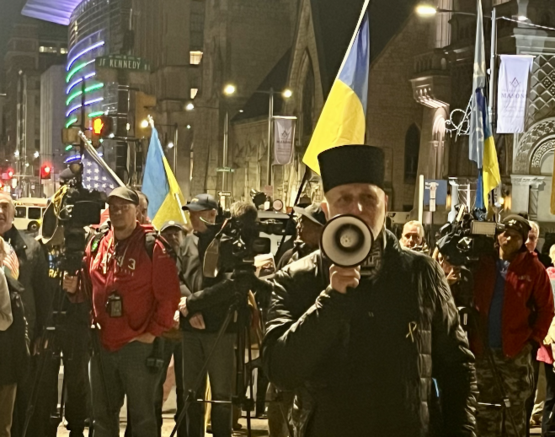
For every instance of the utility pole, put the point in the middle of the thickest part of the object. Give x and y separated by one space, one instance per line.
270 134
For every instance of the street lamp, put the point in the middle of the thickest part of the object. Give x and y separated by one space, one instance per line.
425 10
144 124
189 106
230 89
286 94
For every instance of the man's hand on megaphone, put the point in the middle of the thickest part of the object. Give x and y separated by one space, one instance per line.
342 278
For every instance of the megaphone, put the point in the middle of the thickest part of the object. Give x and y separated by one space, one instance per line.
346 241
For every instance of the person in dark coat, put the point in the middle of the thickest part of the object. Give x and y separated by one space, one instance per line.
360 346
311 221
36 296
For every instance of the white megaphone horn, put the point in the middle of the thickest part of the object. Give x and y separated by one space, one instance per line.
346 241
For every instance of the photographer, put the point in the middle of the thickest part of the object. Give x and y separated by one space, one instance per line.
135 293
457 275
361 345
513 297
311 222
204 311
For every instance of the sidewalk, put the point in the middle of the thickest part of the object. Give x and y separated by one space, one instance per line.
259 428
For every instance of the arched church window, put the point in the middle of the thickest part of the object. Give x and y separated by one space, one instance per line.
412 151
308 103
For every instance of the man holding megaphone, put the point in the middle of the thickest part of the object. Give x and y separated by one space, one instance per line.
360 328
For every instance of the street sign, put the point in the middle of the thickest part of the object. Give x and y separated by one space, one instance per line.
224 194
123 62
225 170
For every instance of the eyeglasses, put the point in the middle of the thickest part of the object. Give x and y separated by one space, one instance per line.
120 208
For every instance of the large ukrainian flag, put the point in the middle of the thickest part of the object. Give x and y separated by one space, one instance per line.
161 187
343 119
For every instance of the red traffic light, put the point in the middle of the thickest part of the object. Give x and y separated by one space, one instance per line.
46 171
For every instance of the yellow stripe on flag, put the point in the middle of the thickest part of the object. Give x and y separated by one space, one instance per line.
342 122
170 208
490 170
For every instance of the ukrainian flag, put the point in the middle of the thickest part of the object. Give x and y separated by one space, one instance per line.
161 187
481 144
343 119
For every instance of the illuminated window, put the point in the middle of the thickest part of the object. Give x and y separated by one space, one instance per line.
194 92
63 51
48 49
195 57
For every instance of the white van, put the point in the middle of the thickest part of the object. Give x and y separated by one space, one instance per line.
29 212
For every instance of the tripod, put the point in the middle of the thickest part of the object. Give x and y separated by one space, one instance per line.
49 354
238 308
467 315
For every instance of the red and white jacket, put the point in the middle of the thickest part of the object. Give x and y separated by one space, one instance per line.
149 288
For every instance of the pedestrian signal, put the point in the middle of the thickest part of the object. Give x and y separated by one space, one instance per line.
46 171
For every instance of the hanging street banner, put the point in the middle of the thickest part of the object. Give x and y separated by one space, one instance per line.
513 93
284 140
123 62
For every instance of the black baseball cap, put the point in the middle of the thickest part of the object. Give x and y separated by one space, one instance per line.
173 224
201 202
519 224
312 212
125 193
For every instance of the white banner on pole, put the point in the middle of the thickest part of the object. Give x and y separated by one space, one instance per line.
284 140
513 92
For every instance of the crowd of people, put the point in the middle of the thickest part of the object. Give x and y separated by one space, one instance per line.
411 343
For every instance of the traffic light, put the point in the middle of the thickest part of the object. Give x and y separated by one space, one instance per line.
10 173
46 171
102 127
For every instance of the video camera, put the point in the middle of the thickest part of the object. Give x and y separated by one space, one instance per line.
468 238
236 244
72 209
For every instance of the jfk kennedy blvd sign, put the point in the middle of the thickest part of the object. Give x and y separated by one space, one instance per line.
122 62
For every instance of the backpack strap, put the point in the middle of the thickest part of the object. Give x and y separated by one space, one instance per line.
150 242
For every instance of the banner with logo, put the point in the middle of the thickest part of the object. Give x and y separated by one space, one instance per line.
284 140
513 93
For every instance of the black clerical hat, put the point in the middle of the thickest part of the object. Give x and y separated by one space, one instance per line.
352 164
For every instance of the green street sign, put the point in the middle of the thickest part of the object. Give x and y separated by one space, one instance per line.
122 62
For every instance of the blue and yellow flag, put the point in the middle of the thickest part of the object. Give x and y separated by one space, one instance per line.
343 119
161 187
481 144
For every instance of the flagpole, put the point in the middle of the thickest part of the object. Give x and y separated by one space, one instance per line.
364 9
493 67
94 155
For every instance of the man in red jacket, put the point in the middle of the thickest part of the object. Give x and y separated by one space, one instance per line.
515 304
135 293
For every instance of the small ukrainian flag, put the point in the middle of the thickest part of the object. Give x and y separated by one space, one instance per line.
160 185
